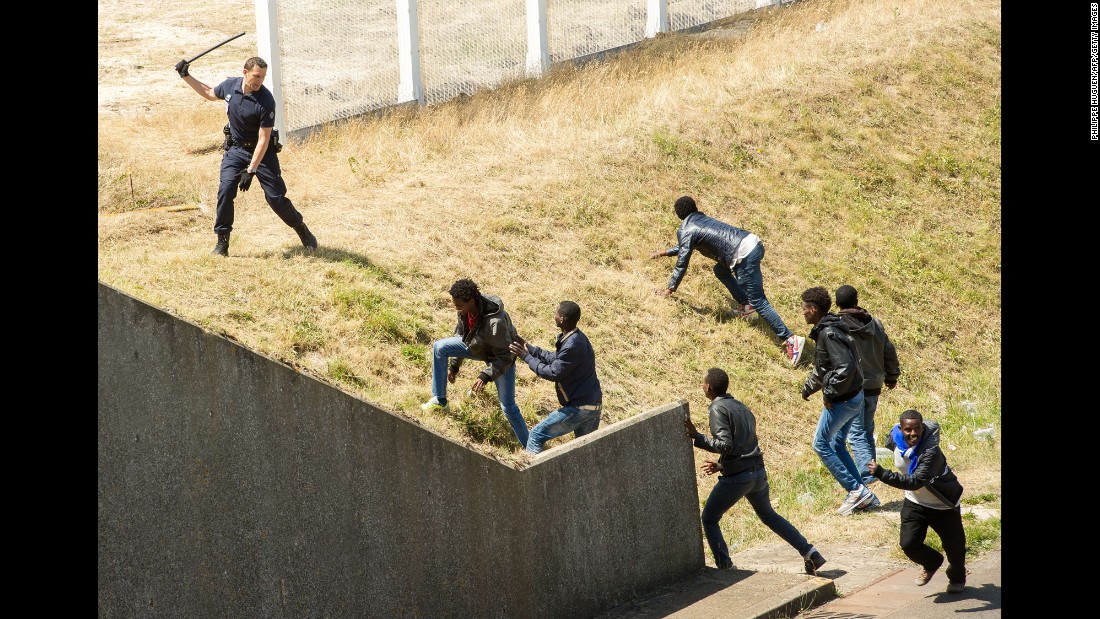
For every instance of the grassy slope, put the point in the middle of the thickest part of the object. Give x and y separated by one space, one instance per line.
860 141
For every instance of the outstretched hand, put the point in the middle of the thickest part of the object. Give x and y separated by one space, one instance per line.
181 68
518 346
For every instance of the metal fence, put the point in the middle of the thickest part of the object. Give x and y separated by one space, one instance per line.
337 59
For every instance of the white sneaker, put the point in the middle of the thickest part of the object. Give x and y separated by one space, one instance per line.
795 344
433 404
855 498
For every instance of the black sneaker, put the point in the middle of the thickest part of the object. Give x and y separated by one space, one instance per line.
813 562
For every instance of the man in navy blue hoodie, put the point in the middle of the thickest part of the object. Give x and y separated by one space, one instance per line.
572 367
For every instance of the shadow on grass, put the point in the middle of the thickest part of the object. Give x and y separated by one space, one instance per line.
336 255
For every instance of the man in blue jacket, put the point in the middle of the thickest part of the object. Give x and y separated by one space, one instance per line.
572 367
737 254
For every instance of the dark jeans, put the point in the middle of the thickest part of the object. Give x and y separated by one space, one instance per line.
729 489
947 523
270 178
746 284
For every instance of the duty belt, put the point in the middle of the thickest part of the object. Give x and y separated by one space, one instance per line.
590 407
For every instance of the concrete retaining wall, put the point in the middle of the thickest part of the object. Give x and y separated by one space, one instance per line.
231 485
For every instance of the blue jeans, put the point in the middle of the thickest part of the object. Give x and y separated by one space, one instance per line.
729 489
830 441
560 422
862 437
444 349
746 284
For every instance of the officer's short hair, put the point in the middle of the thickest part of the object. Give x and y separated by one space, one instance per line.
819 298
846 297
465 289
570 311
685 205
255 61
718 380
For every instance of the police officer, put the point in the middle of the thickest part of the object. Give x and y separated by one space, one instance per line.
249 149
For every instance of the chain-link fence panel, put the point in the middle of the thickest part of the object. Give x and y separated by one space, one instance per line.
576 28
469 45
339 59
690 13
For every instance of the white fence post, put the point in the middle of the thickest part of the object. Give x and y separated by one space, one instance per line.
538 51
267 47
656 18
411 86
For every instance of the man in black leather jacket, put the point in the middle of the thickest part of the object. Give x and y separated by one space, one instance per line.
743 474
836 373
933 497
737 254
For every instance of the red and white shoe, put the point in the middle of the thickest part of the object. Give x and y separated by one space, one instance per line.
795 344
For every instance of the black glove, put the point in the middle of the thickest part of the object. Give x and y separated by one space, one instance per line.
181 68
246 179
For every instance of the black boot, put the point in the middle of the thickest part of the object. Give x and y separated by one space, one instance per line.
222 248
308 240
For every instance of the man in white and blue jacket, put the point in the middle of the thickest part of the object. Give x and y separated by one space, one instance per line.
933 497
572 367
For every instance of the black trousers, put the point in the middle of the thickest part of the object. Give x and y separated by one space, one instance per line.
947 523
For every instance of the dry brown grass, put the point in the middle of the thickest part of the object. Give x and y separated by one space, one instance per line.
859 140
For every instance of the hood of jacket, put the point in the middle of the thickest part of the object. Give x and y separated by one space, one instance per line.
491 305
858 321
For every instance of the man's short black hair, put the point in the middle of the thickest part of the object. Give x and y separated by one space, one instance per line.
254 61
718 380
685 205
847 297
911 414
465 289
570 311
819 298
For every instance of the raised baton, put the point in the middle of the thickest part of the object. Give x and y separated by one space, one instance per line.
215 47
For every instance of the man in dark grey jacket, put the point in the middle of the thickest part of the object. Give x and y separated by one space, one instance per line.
737 254
878 360
484 332
837 375
572 367
933 498
741 463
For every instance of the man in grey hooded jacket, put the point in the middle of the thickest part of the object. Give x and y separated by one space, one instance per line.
878 359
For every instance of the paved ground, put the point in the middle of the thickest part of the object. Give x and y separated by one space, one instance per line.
855 583
767 583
